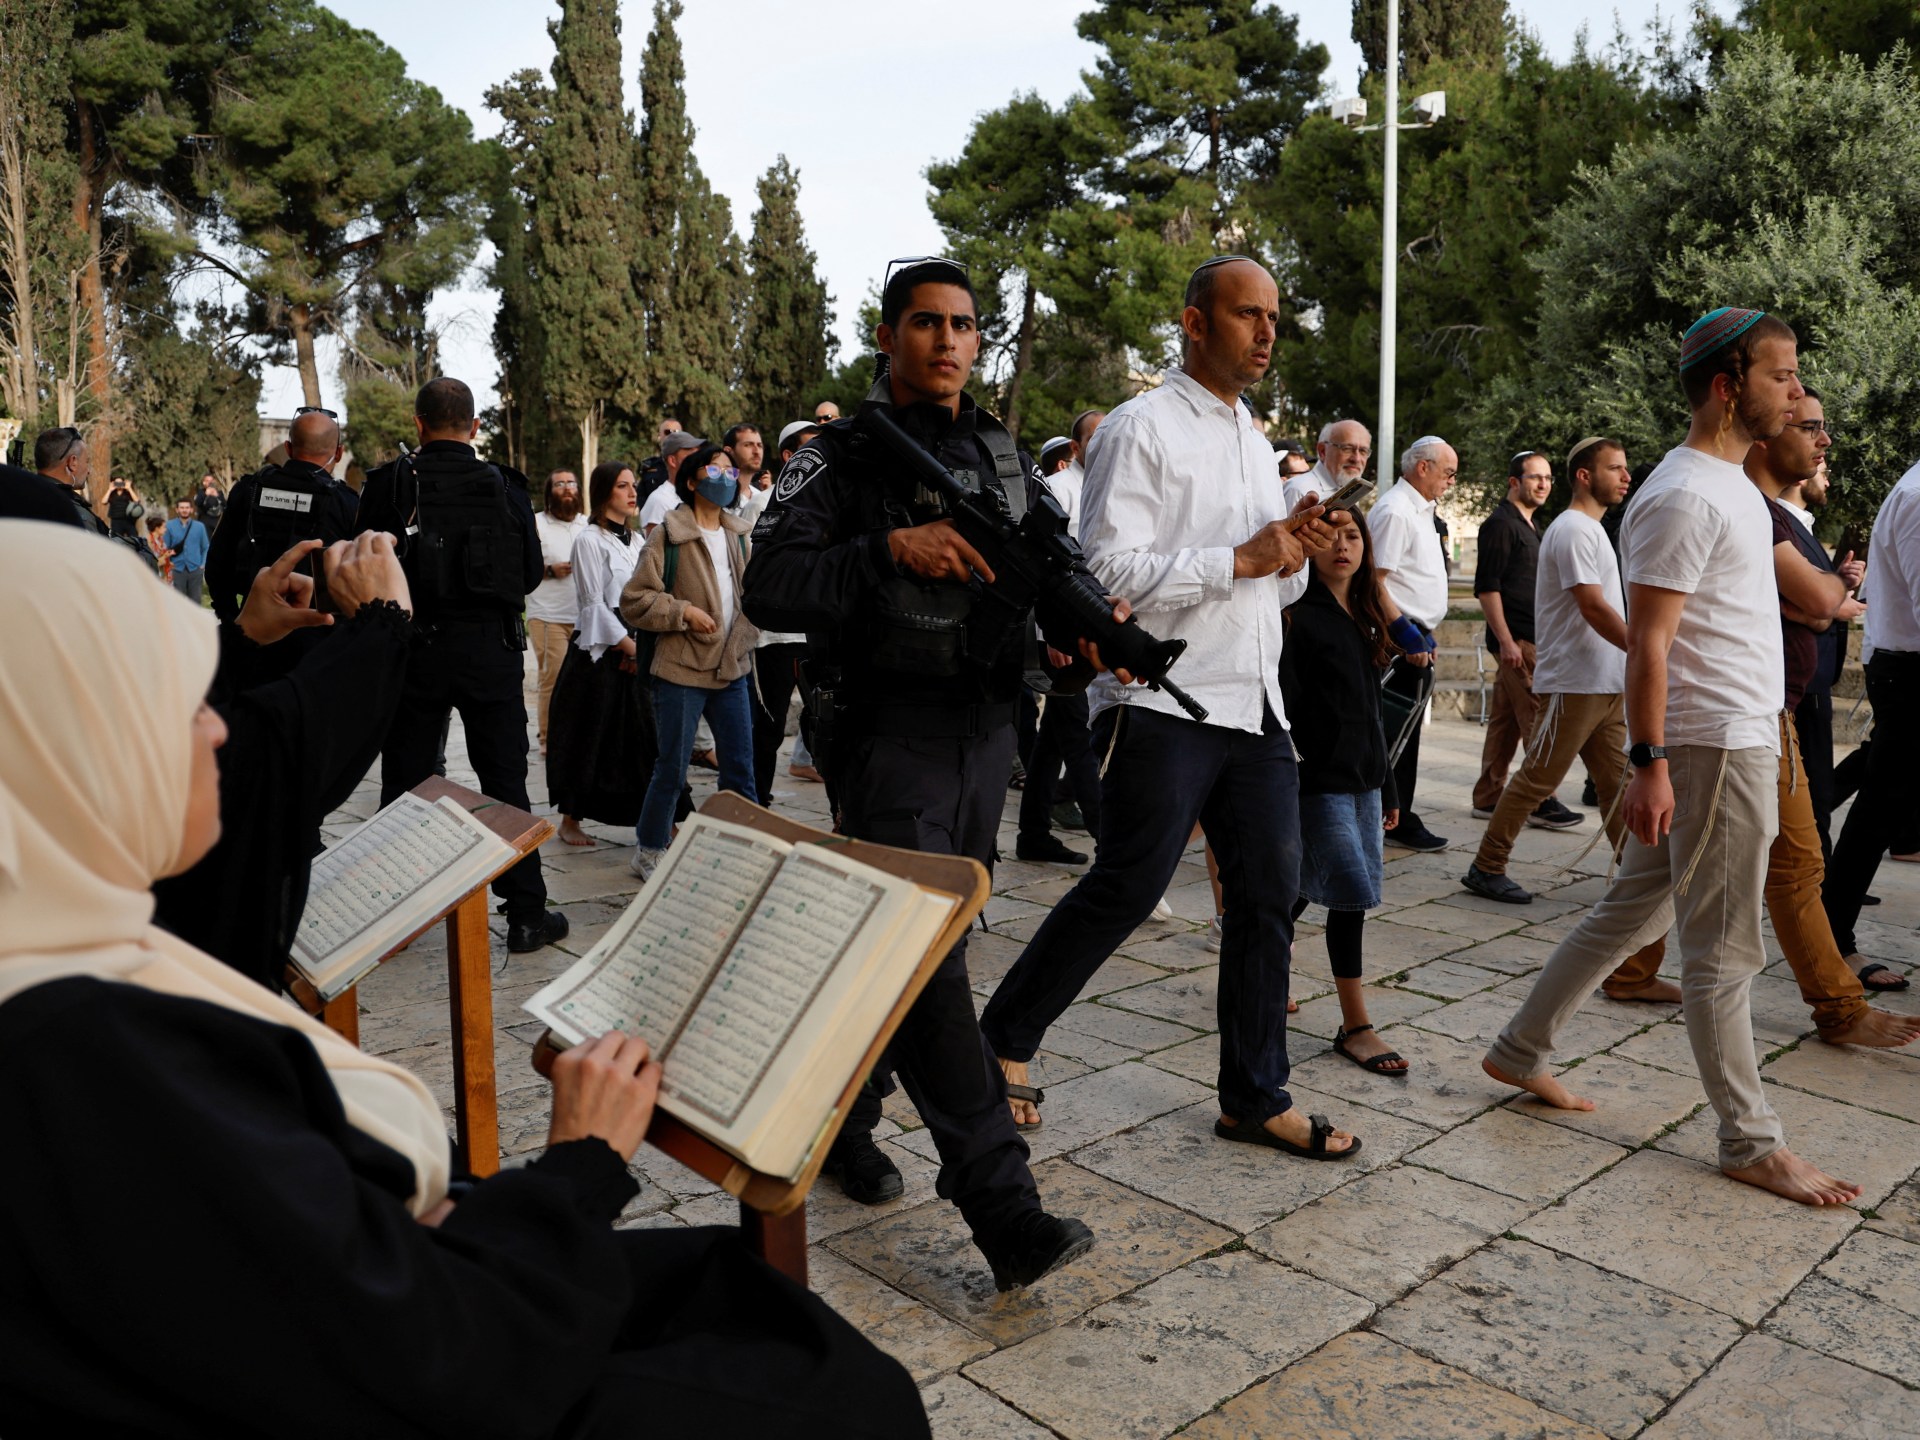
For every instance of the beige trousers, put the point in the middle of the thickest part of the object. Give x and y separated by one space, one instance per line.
549 641
1510 719
1705 881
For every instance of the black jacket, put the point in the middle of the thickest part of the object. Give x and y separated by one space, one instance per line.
1332 692
333 519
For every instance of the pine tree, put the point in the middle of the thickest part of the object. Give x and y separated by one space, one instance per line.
523 424
584 224
789 313
1473 31
688 272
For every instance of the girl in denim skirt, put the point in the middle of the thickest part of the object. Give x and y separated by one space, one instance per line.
1336 650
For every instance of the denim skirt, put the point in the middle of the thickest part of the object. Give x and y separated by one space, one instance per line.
1340 846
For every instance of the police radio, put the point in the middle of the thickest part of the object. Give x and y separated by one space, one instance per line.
1036 561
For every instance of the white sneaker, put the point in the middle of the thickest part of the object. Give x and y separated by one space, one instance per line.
644 861
1215 930
1162 910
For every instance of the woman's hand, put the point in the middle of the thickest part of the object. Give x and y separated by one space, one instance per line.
699 621
627 648
604 1089
280 599
1390 819
365 569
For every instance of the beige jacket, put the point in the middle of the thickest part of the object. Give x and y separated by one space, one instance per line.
707 661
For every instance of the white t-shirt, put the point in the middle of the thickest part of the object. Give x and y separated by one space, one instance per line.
1570 657
663 499
1066 485
1406 545
719 540
1700 526
1892 588
554 600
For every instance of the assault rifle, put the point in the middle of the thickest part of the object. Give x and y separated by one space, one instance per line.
1036 562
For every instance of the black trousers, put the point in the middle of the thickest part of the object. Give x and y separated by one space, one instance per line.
720 1345
1061 741
1404 680
944 797
1813 724
468 666
1889 792
776 671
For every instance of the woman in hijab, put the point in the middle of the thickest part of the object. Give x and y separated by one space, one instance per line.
220 1218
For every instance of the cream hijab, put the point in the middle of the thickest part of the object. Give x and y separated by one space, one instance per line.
101 673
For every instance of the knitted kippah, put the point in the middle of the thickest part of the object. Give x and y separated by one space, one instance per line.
1714 331
1590 440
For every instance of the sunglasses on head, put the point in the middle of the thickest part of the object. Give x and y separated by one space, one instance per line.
315 410
908 262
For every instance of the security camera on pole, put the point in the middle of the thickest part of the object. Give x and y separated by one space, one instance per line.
1427 109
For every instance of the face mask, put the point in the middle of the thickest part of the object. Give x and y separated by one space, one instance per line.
718 485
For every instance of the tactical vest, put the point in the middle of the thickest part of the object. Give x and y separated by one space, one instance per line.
462 549
918 627
288 507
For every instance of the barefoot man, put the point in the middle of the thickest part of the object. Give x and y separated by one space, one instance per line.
1704 662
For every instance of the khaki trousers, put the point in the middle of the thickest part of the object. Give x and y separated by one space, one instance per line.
1510 717
1795 870
1704 880
549 641
1592 728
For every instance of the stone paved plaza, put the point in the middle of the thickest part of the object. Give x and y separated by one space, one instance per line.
1483 1268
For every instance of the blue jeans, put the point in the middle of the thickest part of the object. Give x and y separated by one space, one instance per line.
1164 775
676 710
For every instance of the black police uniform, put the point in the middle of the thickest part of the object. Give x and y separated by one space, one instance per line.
922 740
467 649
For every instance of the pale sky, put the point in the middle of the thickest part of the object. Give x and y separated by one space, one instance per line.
857 94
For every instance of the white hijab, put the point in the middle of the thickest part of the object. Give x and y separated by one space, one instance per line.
101 673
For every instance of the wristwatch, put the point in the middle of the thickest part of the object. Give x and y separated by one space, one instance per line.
1640 754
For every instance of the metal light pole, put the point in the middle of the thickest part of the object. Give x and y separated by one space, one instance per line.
1389 251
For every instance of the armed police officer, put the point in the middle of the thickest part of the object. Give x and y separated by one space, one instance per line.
267 514
916 672
471 553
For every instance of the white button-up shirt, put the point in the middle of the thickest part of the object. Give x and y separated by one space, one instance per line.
1066 486
1406 545
1176 478
1317 480
1892 588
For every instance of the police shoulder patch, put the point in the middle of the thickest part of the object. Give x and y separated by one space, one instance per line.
803 467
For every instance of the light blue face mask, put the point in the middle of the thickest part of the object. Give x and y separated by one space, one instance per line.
718 484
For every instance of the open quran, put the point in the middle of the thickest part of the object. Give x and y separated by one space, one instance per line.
759 971
392 875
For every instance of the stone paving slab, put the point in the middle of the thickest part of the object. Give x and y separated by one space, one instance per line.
1884 1081
1766 1390
1694 1233
957 1409
1592 1346
1509 1153
1152 1360
1633 1103
1449 979
1899 1213
1443 1086
1323 1017
928 1253
1365 1387
1863 1306
926 1343
1385 1233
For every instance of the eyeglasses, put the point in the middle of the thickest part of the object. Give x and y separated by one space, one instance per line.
315 410
721 472
74 441
1812 427
1361 450
908 262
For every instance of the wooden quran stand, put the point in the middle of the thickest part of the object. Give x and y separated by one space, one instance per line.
773 1210
469 979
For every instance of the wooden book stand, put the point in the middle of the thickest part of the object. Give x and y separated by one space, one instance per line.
773 1214
469 977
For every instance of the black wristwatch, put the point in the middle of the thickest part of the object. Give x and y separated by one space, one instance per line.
1640 754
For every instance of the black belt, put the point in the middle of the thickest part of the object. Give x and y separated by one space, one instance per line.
929 722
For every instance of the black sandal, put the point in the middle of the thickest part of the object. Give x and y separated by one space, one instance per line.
1899 981
1376 1064
1320 1129
1033 1095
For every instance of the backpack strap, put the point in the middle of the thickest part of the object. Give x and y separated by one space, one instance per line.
669 567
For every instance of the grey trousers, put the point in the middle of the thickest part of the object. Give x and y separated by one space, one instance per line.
1725 813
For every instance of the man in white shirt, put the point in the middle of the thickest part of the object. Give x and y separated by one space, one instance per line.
675 446
551 606
1183 519
1890 793
1413 573
1343 450
1704 679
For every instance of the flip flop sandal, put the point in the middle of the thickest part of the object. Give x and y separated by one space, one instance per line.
1376 1064
1897 982
1320 1129
1033 1095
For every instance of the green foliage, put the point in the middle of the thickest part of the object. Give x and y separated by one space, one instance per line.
789 315
1799 193
1477 193
336 172
190 404
1471 32
1816 30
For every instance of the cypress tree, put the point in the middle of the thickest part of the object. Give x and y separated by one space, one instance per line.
785 338
582 280
1471 30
